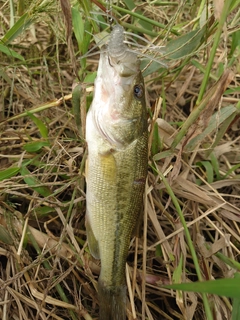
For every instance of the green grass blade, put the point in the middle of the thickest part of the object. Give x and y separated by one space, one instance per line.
35 146
215 165
190 244
33 110
231 170
221 287
230 262
22 24
140 30
34 183
235 42
12 12
76 105
209 169
234 4
41 126
131 5
141 17
236 303
217 36
78 27
8 173
185 45
11 53
156 143
177 273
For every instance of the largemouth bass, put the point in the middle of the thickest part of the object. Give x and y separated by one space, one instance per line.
116 134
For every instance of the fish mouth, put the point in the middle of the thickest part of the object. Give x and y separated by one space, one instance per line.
116 76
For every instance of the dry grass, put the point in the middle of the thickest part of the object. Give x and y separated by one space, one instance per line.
46 271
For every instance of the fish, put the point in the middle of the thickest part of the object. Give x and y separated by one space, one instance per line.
116 169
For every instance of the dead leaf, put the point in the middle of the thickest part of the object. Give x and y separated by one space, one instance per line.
189 190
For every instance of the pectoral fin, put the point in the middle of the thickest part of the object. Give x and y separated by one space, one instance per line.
92 241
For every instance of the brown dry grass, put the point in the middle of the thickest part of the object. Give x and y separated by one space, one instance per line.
46 271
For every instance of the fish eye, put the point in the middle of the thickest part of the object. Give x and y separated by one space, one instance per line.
138 91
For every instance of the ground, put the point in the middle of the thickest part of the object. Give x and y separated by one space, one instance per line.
190 230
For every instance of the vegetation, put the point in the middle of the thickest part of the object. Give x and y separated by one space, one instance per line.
190 237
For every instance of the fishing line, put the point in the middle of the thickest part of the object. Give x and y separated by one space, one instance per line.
109 12
104 14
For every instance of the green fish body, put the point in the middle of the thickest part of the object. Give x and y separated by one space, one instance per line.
116 134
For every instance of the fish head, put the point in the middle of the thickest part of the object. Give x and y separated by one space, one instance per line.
119 99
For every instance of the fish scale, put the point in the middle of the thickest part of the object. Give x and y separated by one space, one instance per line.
116 133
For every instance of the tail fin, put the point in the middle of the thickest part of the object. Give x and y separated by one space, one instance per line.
112 302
